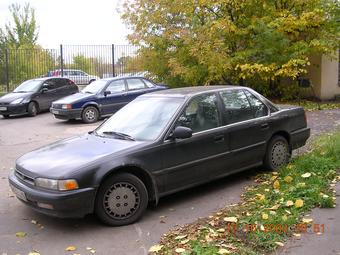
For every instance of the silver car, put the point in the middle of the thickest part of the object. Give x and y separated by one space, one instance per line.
79 77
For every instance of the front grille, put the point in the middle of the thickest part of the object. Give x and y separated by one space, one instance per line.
4 104
24 177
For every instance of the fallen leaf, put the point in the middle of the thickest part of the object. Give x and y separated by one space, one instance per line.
70 248
34 222
265 216
298 203
93 251
274 207
296 235
223 251
280 244
20 234
289 203
180 237
307 220
306 175
288 179
276 184
260 197
230 219
180 250
301 185
185 241
221 230
88 248
155 248
33 253
284 218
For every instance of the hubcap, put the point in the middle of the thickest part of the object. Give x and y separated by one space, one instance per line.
90 114
279 154
34 109
121 200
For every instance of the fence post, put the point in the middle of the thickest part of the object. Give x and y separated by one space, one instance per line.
113 60
61 60
7 69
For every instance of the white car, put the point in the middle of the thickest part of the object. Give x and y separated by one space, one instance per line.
77 76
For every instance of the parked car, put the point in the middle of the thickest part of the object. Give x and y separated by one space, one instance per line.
33 96
78 76
158 144
102 98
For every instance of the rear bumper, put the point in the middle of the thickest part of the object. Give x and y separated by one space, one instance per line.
66 114
299 137
14 109
69 204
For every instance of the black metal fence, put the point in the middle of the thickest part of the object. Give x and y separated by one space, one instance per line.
17 65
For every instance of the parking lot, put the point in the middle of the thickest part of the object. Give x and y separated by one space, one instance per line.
19 135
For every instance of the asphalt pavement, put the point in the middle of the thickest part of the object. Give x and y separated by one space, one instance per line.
51 236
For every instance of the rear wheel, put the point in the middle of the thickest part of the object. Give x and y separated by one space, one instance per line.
6 116
32 109
90 114
121 200
278 153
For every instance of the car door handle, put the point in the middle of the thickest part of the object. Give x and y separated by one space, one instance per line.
264 126
219 138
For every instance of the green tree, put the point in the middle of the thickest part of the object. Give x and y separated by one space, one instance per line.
24 31
198 42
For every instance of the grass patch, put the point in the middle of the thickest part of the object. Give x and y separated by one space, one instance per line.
312 105
270 211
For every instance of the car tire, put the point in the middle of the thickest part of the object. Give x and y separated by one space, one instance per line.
6 116
90 114
277 154
32 109
121 200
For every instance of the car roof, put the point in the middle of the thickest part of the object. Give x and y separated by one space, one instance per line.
190 91
47 78
123 77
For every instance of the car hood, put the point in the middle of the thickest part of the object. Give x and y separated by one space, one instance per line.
73 98
59 159
10 97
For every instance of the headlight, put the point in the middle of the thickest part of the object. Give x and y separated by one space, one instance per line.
66 106
17 101
70 184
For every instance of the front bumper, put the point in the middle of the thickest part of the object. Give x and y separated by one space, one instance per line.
299 137
65 204
66 114
13 109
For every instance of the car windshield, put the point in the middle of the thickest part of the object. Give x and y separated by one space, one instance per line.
28 86
142 119
94 87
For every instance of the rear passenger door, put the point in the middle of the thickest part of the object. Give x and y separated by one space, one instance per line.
135 87
245 117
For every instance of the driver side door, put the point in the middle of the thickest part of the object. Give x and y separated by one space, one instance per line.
47 94
114 97
195 159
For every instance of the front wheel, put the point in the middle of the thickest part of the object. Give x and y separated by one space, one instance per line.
90 114
32 109
278 153
6 116
121 200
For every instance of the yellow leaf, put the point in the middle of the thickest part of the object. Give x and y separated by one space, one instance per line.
33 253
274 207
230 219
180 250
185 241
298 203
307 220
71 248
223 251
221 230
276 184
301 185
288 179
155 248
306 175
284 217
265 216
296 235
280 244
180 237
20 234
260 196
289 203
93 251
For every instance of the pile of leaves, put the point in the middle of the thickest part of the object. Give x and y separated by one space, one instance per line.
271 210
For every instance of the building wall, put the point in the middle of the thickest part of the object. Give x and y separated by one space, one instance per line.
324 75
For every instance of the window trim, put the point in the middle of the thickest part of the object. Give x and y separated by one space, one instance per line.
141 80
125 86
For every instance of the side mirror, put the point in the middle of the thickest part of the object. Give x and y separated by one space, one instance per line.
44 90
107 93
181 132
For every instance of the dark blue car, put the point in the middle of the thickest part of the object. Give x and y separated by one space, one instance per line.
102 98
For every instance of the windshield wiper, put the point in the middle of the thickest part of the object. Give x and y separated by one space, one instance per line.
21 91
120 135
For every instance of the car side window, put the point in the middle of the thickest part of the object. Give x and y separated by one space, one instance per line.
236 106
148 83
200 114
116 86
135 84
259 108
50 84
60 83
